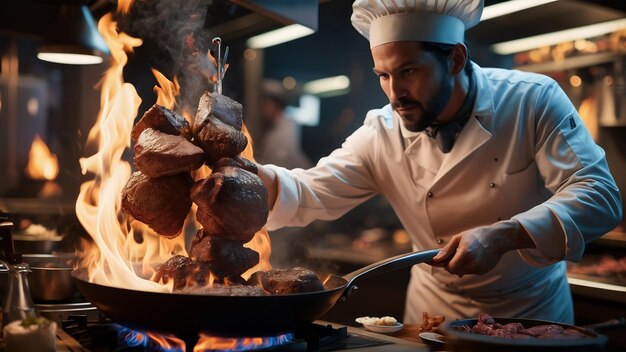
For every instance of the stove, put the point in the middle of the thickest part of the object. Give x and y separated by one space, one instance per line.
82 328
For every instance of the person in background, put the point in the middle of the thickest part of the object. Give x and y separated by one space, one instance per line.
492 166
280 142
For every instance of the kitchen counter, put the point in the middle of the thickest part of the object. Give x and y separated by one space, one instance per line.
407 337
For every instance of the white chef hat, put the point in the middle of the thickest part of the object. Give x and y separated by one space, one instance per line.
437 21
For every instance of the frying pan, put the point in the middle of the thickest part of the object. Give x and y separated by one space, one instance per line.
457 340
232 316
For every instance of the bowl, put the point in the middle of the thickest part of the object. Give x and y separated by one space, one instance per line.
50 278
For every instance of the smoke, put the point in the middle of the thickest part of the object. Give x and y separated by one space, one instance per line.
175 43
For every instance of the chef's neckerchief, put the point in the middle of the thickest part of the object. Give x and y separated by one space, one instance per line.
445 133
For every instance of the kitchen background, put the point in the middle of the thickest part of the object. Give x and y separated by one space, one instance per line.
50 108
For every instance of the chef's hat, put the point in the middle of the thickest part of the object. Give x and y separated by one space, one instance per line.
437 21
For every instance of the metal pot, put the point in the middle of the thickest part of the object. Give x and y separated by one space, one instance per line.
51 276
458 340
35 244
184 314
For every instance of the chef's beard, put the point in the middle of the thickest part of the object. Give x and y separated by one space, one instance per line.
431 111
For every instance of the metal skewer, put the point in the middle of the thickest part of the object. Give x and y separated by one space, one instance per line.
218 86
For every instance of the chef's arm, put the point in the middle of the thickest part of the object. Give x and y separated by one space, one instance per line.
586 202
268 176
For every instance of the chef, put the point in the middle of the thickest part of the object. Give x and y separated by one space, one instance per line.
493 166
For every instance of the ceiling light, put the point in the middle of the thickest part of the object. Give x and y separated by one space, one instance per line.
330 86
590 31
507 7
73 38
279 36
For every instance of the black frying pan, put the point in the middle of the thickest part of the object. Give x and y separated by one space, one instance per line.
232 315
457 340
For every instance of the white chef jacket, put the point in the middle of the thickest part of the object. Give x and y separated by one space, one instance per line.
524 154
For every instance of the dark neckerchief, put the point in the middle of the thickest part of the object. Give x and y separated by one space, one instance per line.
445 133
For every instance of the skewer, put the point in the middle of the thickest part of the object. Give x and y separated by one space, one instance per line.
218 87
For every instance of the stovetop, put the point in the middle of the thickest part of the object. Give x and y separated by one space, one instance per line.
318 336
82 328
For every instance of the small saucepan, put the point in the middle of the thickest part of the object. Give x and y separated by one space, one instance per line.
459 340
50 278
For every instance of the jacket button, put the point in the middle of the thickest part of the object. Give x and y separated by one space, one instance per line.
492 185
429 194
440 241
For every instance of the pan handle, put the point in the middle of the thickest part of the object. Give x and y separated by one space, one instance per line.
387 265
609 324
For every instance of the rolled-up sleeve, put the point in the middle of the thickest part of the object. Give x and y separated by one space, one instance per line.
586 202
338 183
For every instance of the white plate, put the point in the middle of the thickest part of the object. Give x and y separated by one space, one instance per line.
432 337
384 329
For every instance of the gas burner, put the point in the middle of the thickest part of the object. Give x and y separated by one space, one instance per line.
106 336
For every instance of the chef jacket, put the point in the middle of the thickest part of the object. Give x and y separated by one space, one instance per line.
524 155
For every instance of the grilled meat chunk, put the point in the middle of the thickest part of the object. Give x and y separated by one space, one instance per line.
228 258
217 127
158 154
162 203
184 271
162 119
237 161
232 203
282 281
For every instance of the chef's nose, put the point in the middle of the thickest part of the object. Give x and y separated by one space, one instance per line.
397 90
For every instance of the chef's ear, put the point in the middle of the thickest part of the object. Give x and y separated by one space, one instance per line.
458 59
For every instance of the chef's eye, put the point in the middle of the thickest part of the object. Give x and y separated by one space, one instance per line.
408 71
382 76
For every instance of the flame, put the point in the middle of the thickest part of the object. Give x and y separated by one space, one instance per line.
167 92
150 340
211 343
116 258
42 163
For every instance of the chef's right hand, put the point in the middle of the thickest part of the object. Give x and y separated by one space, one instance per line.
268 176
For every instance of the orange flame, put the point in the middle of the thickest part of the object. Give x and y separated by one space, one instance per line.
167 92
211 343
42 163
168 342
115 258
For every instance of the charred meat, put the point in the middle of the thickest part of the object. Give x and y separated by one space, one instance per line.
217 127
162 119
283 281
228 258
158 154
232 203
162 203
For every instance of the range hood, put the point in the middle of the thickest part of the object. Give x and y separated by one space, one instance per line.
232 19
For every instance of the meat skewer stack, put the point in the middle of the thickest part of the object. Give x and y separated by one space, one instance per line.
232 201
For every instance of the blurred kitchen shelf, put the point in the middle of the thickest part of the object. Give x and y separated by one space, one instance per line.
39 206
613 238
572 62
356 256
597 287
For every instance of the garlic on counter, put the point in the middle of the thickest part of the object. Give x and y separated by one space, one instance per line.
386 320
32 334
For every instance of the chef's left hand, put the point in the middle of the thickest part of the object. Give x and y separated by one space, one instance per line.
478 250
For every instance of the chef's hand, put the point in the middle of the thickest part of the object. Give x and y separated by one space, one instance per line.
478 250
271 183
